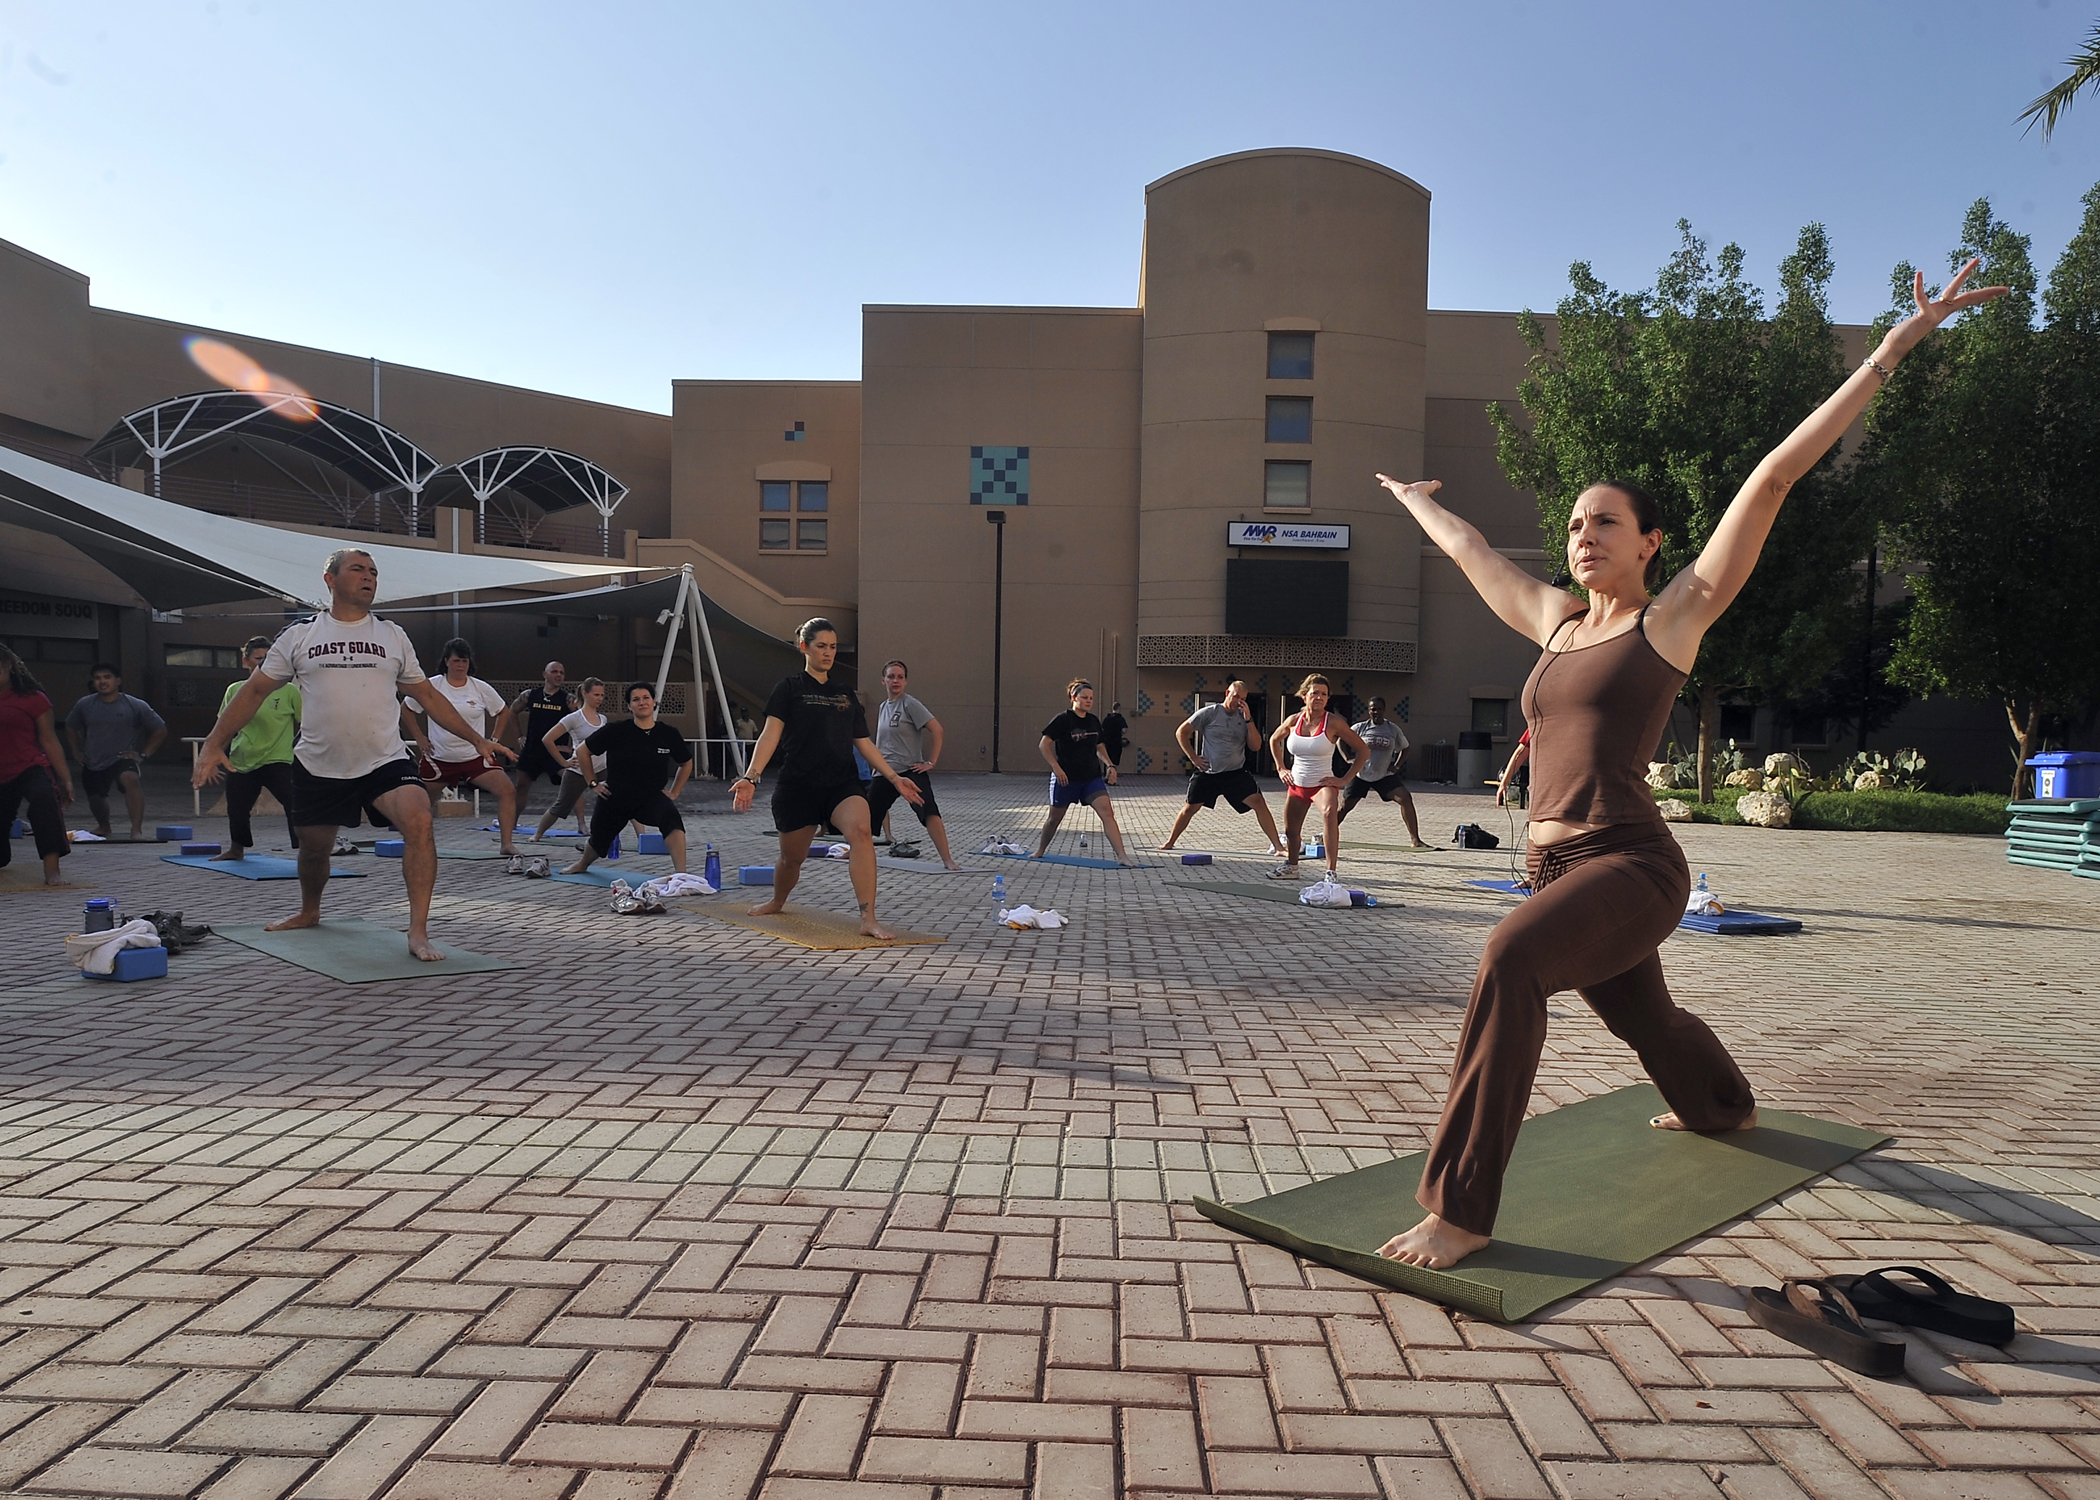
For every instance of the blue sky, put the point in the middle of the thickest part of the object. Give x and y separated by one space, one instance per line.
599 199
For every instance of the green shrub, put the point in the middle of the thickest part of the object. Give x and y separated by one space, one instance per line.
1874 812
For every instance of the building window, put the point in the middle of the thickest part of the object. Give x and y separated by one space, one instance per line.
1290 356
1287 485
783 498
1290 419
1491 716
203 656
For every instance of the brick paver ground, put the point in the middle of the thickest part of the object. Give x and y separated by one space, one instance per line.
675 1210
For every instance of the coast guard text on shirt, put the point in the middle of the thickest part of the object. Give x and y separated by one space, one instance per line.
346 648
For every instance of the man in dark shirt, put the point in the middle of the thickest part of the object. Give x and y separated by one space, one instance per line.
639 758
1115 734
814 725
535 711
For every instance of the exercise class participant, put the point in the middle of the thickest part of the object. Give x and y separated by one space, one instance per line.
1080 770
534 713
1384 743
350 667
111 733
1115 734
1514 773
1216 739
30 760
577 727
637 782
260 757
815 725
1609 881
1304 745
448 760
909 737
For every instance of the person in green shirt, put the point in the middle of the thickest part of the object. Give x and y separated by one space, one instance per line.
260 756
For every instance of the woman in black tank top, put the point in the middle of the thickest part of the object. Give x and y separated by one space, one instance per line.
1608 881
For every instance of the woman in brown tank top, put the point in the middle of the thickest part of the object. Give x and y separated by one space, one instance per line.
1608 881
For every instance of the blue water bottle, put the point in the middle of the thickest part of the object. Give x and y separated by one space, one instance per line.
100 915
714 867
998 895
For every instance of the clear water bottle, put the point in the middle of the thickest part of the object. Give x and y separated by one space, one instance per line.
998 895
1701 886
713 870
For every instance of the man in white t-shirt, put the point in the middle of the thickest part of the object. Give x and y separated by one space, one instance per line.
1384 744
446 759
352 668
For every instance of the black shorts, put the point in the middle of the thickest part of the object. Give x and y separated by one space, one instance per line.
97 783
534 762
883 795
798 805
1391 787
1236 787
326 802
614 813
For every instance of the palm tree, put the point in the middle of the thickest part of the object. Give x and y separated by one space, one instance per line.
2085 73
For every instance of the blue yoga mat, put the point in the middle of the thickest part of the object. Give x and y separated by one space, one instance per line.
254 867
1073 859
1739 924
600 877
1507 887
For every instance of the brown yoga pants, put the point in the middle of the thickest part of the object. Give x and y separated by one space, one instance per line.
1602 903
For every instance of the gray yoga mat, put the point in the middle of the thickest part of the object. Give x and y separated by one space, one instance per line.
359 952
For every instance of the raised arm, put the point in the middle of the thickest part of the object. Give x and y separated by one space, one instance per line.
1695 598
1527 606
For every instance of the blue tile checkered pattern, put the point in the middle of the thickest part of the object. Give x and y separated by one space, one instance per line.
998 476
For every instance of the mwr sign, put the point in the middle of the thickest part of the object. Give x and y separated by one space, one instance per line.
1284 534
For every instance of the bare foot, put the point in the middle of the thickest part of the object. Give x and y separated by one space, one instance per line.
295 921
772 908
1418 844
1671 1122
419 944
869 927
1433 1245
954 866
234 852
510 849
1166 848
576 869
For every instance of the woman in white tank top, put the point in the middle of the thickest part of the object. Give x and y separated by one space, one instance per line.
1303 745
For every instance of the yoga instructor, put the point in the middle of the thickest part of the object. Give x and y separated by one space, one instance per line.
1609 881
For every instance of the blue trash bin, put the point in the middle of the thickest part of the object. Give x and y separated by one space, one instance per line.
2065 774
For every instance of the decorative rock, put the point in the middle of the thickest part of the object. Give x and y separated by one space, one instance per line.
1746 778
1784 765
1868 781
1674 810
1764 809
1660 775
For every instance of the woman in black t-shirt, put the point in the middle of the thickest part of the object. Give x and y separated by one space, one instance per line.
1080 770
815 725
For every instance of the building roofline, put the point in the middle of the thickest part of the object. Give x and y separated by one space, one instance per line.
1341 156
744 383
44 261
997 307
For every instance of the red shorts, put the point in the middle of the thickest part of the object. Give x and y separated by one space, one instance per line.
1297 793
453 772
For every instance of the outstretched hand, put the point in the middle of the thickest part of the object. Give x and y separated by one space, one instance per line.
1421 489
1933 311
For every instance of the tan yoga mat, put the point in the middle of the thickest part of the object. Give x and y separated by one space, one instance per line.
815 929
29 876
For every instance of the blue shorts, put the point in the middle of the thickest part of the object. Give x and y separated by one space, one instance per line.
1071 793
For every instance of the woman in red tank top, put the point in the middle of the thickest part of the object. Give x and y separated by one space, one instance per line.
1609 882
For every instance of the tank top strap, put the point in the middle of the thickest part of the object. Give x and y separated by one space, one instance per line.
1564 619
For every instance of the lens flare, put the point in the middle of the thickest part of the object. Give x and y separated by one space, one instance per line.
237 372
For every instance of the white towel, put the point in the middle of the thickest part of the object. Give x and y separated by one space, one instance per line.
834 851
96 952
667 887
1002 846
1325 893
1023 918
1703 904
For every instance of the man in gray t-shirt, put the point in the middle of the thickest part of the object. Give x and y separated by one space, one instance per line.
1384 743
111 732
909 737
1216 739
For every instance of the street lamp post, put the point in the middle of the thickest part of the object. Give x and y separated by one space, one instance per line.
998 520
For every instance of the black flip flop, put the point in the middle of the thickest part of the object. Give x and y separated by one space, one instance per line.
1977 1319
1822 1320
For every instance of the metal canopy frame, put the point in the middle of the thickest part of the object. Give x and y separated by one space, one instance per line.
693 617
361 447
550 478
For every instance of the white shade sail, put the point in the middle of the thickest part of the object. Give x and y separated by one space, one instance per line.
177 557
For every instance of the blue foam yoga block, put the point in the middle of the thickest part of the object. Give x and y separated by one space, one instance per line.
20 829
200 849
388 848
1195 859
135 963
754 874
650 843
174 833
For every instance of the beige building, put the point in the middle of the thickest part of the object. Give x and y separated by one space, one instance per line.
1282 353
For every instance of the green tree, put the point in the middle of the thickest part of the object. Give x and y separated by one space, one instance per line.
2084 74
1987 440
1682 389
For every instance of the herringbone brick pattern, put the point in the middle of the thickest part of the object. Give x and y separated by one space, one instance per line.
673 1210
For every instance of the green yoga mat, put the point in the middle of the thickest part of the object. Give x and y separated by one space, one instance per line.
1592 1190
359 952
1281 890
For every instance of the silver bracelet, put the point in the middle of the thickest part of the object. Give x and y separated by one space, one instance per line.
1871 363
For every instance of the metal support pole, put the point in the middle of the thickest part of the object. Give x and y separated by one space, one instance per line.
702 634
1866 651
998 520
